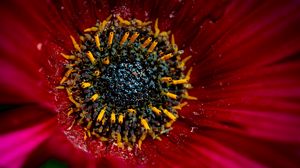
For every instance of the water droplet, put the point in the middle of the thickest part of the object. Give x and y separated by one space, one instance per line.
171 15
39 46
193 129
62 7
196 113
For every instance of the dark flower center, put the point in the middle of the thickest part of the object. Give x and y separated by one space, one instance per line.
125 81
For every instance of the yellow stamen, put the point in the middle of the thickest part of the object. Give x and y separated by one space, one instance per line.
171 95
60 87
164 34
97 72
105 60
123 21
103 139
145 124
179 106
89 125
104 23
143 137
147 42
103 122
169 114
134 36
167 56
75 44
169 124
113 117
173 43
71 57
110 38
91 57
94 97
85 84
91 29
124 38
119 142
141 23
89 133
189 97
71 98
180 81
188 75
155 110
120 119
183 62
156 28
153 45
81 38
85 136
166 79
97 40
101 114
67 74
131 110
70 112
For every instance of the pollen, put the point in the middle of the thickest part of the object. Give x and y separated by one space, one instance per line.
125 80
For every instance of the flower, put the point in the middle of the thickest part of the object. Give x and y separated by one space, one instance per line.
246 77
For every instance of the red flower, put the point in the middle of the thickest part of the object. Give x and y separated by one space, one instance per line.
246 77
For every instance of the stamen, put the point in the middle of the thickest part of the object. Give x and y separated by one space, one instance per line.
155 110
146 43
120 119
67 74
123 21
166 79
119 142
183 62
141 23
86 84
124 38
134 36
101 114
110 38
153 45
105 61
156 28
180 81
188 75
60 87
179 106
167 56
171 95
169 114
145 124
94 97
71 57
169 124
143 137
71 98
131 110
97 40
76 46
91 57
91 29
173 43
113 117
70 112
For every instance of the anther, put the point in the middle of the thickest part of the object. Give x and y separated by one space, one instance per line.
174 46
155 110
180 81
105 60
124 38
153 45
71 98
91 57
120 119
143 137
123 21
188 75
131 110
113 117
179 106
101 114
94 97
134 36
171 95
169 114
147 42
70 112
71 57
75 44
183 62
166 79
85 84
141 23
91 29
145 124
97 40
156 28
167 56
110 38
67 74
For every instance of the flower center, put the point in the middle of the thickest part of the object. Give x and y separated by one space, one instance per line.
125 81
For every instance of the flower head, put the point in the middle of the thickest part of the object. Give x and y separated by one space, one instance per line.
245 59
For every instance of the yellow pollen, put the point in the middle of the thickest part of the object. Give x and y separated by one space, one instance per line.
167 56
145 124
91 57
85 84
113 117
91 29
156 28
124 38
120 119
94 97
143 137
131 110
147 42
171 95
153 45
188 75
71 57
179 106
105 60
97 40
67 74
110 38
123 21
166 79
155 110
180 81
134 36
169 114
101 114
75 44
71 98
